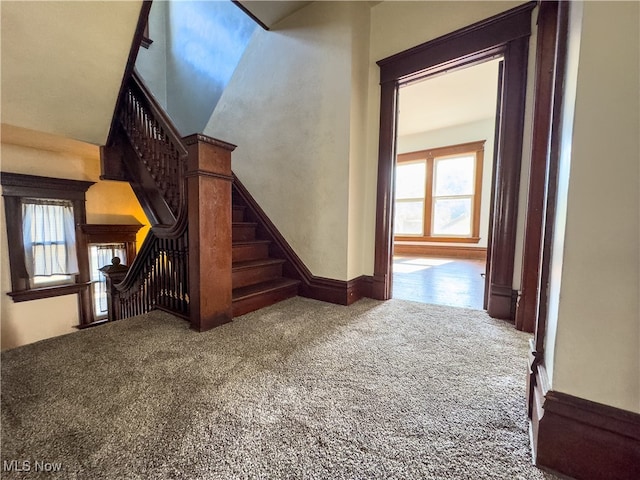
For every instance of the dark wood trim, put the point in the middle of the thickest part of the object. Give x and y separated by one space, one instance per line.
552 181
319 288
480 37
507 180
19 185
542 161
478 253
385 191
138 36
49 292
249 14
583 439
506 34
15 187
146 40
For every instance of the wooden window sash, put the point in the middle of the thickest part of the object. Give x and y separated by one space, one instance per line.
429 156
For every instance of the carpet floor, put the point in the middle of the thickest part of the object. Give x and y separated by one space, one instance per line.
302 389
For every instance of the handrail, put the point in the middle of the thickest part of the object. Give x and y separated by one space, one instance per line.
158 278
156 142
159 275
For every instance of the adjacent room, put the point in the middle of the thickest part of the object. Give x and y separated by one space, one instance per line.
444 167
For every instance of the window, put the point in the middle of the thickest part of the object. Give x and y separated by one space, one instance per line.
49 240
438 194
45 258
102 254
104 242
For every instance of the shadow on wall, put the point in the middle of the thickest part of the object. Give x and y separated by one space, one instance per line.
203 43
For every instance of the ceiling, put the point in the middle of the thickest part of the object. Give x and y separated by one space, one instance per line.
456 98
62 64
271 13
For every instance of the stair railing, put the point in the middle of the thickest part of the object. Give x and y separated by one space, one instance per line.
184 264
155 140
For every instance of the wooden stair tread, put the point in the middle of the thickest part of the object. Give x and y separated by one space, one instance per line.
263 287
256 263
242 243
244 224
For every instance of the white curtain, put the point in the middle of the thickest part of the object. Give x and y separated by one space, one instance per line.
102 255
49 238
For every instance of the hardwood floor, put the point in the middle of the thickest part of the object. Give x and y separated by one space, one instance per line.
443 281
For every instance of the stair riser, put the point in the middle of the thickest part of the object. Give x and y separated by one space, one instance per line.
237 214
240 307
251 276
243 253
241 233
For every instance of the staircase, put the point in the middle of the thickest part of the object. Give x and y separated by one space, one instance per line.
257 277
210 255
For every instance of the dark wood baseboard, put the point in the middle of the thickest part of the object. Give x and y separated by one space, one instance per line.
476 253
337 291
580 438
319 288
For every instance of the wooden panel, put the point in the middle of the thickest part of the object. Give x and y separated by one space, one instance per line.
541 162
479 253
256 271
584 439
209 206
243 232
249 299
381 289
252 250
507 180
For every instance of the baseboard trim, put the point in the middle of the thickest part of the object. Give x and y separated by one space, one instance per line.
341 292
476 253
583 439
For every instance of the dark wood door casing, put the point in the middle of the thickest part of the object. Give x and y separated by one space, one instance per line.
506 34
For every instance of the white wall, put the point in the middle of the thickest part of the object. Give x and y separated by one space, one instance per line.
470 132
288 108
107 202
196 47
358 161
593 344
151 62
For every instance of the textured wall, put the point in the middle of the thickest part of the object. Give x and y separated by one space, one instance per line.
287 108
593 348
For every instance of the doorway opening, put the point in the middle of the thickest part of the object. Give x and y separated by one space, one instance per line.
505 34
445 140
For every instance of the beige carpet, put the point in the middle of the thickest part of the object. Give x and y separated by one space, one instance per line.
303 389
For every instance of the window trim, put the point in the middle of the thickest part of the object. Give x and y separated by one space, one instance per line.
100 233
429 155
15 188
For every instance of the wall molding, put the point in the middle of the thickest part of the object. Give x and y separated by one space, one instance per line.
476 253
580 438
342 292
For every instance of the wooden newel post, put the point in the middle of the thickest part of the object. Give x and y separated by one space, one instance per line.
209 180
114 273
